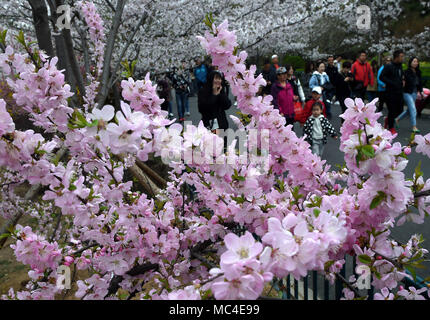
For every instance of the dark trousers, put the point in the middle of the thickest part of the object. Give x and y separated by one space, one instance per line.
342 102
342 106
395 106
360 93
290 121
382 100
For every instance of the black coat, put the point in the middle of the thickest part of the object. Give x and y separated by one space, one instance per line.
268 76
411 79
213 107
343 89
332 72
327 128
393 77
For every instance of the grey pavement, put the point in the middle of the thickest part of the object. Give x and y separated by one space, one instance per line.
334 156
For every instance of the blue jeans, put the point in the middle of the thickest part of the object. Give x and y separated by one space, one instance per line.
372 95
181 101
187 105
410 99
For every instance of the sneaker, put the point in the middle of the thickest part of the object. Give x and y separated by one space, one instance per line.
386 123
393 131
171 115
187 114
181 119
396 124
416 131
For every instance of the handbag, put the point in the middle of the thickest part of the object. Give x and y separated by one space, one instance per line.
298 111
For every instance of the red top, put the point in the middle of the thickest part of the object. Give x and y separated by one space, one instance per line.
363 72
307 112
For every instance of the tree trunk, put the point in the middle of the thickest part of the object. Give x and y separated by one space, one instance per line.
41 25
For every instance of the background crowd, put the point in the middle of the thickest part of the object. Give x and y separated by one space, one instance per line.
307 97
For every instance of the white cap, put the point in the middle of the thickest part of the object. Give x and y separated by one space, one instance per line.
317 90
274 56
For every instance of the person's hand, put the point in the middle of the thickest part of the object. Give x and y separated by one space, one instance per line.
335 137
269 83
296 98
216 90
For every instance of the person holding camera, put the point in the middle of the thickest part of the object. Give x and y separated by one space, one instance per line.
213 101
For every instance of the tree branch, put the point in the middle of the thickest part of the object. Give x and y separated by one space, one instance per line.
109 53
124 50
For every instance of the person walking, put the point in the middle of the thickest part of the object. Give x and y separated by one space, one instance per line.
338 63
343 82
393 77
317 128
164 92
363 75
283 95
316 97
201 73
299 95
382 86
307 75
268 74
331 68
321 79
332 72
188 78
372 89
213 102
413 86
181 87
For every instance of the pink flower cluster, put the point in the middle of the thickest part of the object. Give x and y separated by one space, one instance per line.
41 92
242 274
142 95
35 251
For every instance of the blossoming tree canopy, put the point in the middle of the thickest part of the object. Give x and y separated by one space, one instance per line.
221 230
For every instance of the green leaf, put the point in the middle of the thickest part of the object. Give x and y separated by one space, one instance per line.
418 172
20 38
239 200
412 272
364 258
317 212
3 37
5 235
368 151
377 200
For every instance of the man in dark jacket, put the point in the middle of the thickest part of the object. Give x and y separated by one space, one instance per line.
275 66
393 77
343 81
331 69
268 74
